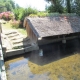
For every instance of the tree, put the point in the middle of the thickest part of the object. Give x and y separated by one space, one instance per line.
12 3
8 6
68 6
77 6
2 7
21 13
17 6
55 6
56 2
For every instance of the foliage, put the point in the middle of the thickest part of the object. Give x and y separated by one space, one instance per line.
15 24
77 7
12 3
21 13
30 10
33 15
18 13
64 6
51 14
8 26
52 8
39 14
55 6
42 14
6 15
68 6
3 8
8 5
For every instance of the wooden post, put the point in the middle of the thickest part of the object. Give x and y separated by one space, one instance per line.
64 40
40 52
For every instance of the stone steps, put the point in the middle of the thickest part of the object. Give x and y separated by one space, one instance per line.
12 35
15 43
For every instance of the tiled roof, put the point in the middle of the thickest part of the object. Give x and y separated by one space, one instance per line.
51 26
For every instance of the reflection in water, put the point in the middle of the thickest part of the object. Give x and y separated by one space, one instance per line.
40 52
59 62
55 51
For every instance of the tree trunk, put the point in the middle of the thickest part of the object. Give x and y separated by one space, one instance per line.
68 6
55 3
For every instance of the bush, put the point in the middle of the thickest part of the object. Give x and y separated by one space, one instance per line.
15 24
33 15
21 13
6 15
42 14
52 14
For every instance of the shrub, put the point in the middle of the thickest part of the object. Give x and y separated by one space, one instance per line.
21 13
42 14
6 15
15 24
52 14
33 15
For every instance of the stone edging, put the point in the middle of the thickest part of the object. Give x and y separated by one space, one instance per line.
2 66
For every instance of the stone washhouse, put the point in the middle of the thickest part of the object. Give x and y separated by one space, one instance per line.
44 30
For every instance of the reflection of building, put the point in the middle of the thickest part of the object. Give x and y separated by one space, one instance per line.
49 29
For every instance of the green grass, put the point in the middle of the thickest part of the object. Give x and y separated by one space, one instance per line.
7 26
22 31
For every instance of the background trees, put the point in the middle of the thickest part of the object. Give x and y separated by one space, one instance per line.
77 7
21 13
9 5
64 6
57 6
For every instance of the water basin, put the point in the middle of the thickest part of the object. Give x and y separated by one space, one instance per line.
58 62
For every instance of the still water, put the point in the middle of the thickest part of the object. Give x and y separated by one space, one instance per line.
54 61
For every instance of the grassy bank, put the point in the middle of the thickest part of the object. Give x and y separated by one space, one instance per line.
8 26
